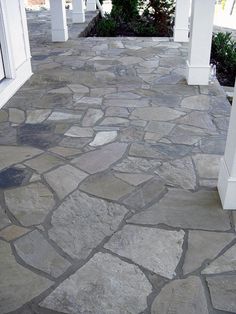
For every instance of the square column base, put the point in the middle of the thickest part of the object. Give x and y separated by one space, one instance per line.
226 187
60 35
78 17
181 35
198 75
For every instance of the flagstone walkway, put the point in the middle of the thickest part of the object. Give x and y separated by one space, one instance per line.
108 200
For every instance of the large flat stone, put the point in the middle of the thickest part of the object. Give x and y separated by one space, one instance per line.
101 159
136 243
186 134
10 155
224 263
183 296
76 131
30 204
137 165
198 102
102 138
37 116
156 113
38 253
223 290
179 172
128 103
198 119
105 284
202 246
91 117
207 165
65 179
106 186
18 285
81 222
4 220
184 209
160 129
44 162
133 178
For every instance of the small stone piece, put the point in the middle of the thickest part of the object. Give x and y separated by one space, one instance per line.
44 162
183 296
30 204
202 246
133 178
65 151
137 165
92 116
136 243
65 179
37 116
179 172
223 290
14 176
198 119
12 232
102 159
186 134
103 138
38 253
64 116
156 113
224 263
106 186
81 222
207 165
184 209
79 89
115 121
76 131
18 285
16 115
198 102
105 283
156 130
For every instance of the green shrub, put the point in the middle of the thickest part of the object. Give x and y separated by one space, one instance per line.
107 27
223 54
125 10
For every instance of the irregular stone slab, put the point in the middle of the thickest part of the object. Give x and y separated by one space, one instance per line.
81 222
151 191
38 253
104 283
179 172
8 134
61 90
213 145
160 129
156 113
198 102
65 179
106 186
223 290
178 90
3 116
78 88
117 112
30 204
37 116
13 176
136 243
75 142
10 155
207 165
145 150
65 151
102 159
44 162
123 95
224 263
202 246
76 131
185 134
103 138
183 296
4 221
12 232
64 116
198 119
115 121
137 165
101 91
184 209
92 116
128 103
130 60
16 115
133 178
18 285
96 101
37 135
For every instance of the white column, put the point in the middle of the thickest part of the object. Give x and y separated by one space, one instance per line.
227 176
78 14
229 7
58 21
91 5
181 28
198 67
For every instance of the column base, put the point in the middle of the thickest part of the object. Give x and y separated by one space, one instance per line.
226 187
91 6
181 35
197 75
78 17
60 35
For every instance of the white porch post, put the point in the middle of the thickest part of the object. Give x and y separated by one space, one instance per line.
58 21
229 7
181 29
198 67
227 176
78 14
91 5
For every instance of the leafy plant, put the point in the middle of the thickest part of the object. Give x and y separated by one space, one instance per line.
125 10
223 54
106 27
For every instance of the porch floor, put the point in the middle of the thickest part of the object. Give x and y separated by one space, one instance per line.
108 199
